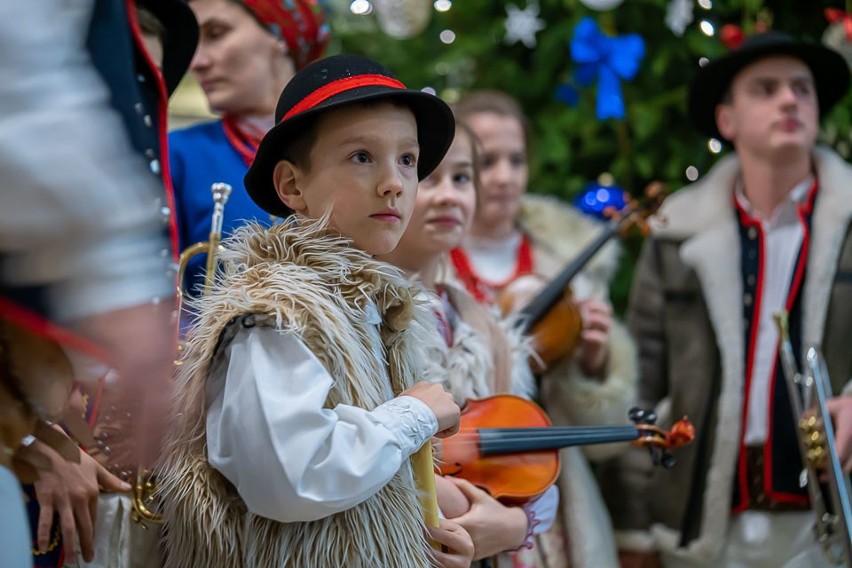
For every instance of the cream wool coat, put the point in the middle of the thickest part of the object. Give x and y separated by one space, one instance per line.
304 281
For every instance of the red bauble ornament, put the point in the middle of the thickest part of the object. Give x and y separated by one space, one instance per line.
731 36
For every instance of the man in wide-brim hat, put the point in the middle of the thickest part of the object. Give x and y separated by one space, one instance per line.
766 229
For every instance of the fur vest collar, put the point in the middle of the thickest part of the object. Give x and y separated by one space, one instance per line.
488 355
562 232
306 281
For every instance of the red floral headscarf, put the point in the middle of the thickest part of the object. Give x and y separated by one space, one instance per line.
300 23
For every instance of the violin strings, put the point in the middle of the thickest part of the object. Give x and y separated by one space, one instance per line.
567 435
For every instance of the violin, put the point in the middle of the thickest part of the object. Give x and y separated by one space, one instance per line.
507 445
549 314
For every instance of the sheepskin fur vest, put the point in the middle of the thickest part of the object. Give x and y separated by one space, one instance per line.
300 279
488 355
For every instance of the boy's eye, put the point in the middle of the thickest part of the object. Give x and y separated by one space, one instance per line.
361 157
462 178
408 160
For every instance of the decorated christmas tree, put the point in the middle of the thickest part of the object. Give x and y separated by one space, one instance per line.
571 62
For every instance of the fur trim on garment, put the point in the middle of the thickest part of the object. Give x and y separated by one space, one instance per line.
559 233
311 283
563 232
702 216
471 362
584 400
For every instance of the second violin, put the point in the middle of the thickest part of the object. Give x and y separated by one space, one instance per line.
507 445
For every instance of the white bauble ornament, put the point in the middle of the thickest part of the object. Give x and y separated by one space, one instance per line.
601 5
403 19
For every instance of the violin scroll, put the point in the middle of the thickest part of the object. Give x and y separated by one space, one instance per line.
657 440
637 212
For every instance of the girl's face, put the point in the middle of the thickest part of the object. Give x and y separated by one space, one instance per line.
239 64
444 208
503 169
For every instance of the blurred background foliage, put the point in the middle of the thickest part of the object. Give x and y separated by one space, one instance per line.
571 145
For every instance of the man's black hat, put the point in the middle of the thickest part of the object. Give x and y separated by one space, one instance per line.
180 38
330 83
830 71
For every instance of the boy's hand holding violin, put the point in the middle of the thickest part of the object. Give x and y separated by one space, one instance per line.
441 403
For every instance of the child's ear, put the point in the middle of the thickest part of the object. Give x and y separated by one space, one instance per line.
725 121
287 177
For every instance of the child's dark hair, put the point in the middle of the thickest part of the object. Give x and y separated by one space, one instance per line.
298 150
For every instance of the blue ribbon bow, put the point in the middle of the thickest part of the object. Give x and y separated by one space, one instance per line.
607 59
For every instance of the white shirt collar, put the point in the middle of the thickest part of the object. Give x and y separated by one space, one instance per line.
785 212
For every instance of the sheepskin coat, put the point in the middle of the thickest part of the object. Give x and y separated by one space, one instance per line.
687 310
487 356
300 279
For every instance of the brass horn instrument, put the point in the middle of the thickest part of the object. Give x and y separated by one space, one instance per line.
145 485
808 393
221 193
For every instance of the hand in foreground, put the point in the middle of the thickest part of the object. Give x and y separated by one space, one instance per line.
456 545
441 403
71 490
840 409
593 351
141 342
493 527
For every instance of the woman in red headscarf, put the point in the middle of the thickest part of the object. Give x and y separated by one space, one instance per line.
247 51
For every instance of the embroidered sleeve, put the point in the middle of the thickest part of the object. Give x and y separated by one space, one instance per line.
290 458
409 419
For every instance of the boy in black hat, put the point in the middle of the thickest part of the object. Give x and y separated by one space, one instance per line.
298 403
766 229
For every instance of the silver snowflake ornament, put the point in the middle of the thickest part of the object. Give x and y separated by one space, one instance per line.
522 25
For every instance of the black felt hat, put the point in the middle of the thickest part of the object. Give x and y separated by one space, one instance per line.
180 38
830 71
330 83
